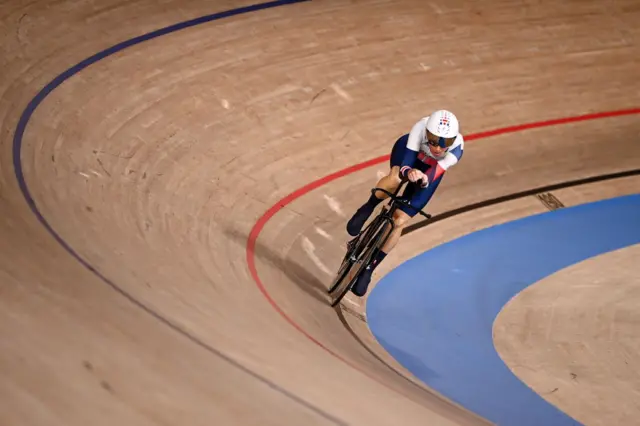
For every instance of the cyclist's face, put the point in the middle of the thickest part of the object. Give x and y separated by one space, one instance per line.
436 150
438 146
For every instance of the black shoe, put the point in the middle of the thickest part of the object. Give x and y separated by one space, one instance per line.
358 219
360 287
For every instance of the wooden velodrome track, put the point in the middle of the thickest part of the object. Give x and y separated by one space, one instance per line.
152 281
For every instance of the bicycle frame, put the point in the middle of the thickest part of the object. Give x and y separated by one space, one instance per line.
387 213
369 240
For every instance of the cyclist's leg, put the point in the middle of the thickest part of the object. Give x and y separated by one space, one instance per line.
418 198
389 182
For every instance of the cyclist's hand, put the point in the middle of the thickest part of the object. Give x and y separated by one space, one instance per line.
415 175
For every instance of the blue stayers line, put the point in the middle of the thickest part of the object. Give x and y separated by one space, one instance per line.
435 312
28 112
17 165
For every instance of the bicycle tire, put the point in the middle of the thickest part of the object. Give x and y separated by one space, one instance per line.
354 252
366 259
344 269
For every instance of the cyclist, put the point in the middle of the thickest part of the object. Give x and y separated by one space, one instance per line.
422 156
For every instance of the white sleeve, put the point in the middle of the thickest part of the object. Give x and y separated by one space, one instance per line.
415 136
453 156
449 160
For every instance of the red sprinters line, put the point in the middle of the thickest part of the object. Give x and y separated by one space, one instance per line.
557 121
260 224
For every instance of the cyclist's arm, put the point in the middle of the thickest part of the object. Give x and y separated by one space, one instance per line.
412 149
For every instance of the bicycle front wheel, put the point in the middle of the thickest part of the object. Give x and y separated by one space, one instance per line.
354 251
370 247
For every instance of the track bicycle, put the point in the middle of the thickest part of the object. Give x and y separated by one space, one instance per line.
361 250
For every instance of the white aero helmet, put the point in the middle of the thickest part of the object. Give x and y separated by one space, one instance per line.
442 128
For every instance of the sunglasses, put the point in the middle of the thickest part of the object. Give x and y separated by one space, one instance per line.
434 140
